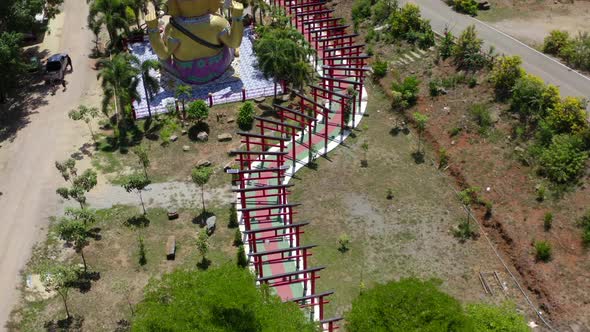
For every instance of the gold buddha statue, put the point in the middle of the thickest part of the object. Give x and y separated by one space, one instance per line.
198 43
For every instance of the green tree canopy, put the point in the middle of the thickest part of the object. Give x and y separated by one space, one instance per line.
198 110
564 159
467 51
507 70
405 305
136 182
488 318
220 299
119 78
11 64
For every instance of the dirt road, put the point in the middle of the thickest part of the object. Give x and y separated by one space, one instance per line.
28 178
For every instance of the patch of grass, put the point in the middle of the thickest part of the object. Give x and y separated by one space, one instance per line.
543 251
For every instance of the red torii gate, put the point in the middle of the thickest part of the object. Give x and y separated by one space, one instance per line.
303 119
315 300
319 23
357 61
294 278
330 324
261 192
263 141
292 230
280 255
246 158
280 174
315 15
306 6
342 101
280 127
317 109
342 84
350 50
336 41
325 32
285 212
343 71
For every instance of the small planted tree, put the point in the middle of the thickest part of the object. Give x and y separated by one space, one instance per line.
75 232
241 257
246 116
136 182
421 120
547 221
60 278
543 251
200 176
86 216
143 158
467 52
182 93
343 243
142 254
445 50
507 70
203 246
79 184
86 114
233 217
238 238
198 111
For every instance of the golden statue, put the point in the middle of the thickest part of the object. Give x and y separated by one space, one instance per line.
198 44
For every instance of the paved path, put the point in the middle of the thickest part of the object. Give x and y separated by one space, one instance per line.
552 71
28 178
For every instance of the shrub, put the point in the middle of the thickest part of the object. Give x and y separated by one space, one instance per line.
527 98
577 52
569 116
489 318
563 160
481 115
585 224
142 254
506 71
455 131
465 6
445 50
241 259
443 158
543 251
246 116
555 41
405 305
541 191
467 51
407 24
379 69
408 91
233 217
198 110
547 221
361 10
382 10
343 242
238 238
472 82
434 87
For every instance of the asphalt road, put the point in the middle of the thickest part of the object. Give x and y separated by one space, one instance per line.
570 82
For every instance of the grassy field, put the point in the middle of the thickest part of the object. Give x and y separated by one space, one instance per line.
409 235
114 260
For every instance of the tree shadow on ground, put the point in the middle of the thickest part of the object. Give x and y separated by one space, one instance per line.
94 233
84 283
204 264
418 157
202 218
138 221
72 324
195 129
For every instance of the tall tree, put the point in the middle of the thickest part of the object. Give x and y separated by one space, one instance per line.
151 85
119 81
136 182
79 184
111 13
200 176
86 114
60 278
11 64
203 246
183 93
421 121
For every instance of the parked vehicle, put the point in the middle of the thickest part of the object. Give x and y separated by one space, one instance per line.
55 67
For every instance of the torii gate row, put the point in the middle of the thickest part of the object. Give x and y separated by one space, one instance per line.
301 18
254 236
246 158
335 41
343 101
282 128
313 300
314 35
262 141
318 109
329 325
258 174
319 23
342 84
269 191
350 50
295 277
303 119
268 212
354 61
262 258
344 71
305 6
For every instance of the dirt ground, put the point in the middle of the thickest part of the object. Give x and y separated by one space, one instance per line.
113 258
531 20
38 133
409 235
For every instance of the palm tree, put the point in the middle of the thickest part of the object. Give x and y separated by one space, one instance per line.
119 80
138 6
183 92
111 13
258 5
151 85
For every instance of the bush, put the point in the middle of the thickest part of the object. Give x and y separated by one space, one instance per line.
543 251
218 299
408 91
481 115
569 116
238 238
465 6
434 87
246 116
379 69
445 50
361 10
527 99
407 24
241 258
233 217
556 41
563 160
506 71
443 158
577 51
467 51
382 10
343 242
405 305
489 318
547 221
585 224
198 110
